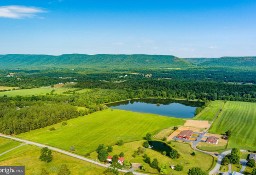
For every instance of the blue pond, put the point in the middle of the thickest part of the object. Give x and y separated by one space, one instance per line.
179 109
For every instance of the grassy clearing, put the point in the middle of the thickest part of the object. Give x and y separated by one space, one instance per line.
6 144
202 160
6 88
210 111
36 91
224 168
240 118
28 156
211 147
104 127
165 133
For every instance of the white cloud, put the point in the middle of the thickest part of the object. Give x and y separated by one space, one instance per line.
18 12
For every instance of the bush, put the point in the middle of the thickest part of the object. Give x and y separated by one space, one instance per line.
254 171
46 155
121 154
52 129
251 163
120 142
225 161
196 171
145 144
154 164
103 155
178 167
193 154
110 149
147 159
64 123
148 137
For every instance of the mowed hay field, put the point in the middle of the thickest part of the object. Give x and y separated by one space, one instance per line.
28 156
210 111
6 144
35 91
240 118
103 127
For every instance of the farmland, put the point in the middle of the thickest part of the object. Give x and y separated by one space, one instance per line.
35 91
28 156
6 144
104 127
240 118
205 161
210 111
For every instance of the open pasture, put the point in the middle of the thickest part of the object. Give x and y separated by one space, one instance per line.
36 91
28 156
210 111
240 118
103 127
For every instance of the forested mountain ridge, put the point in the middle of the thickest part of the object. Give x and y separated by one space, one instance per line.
14 61
124 62
224 61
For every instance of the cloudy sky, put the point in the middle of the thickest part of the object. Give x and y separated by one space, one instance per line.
185 28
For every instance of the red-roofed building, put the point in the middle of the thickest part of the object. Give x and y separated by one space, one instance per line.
212 140
186 134
121 160
109 159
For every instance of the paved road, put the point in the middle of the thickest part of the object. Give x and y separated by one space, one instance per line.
216 169
63 152
243 163
12 149
229 168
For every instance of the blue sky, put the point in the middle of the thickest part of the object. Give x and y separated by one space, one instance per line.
185 28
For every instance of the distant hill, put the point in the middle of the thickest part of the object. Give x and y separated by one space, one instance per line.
233 62
124 62
15 61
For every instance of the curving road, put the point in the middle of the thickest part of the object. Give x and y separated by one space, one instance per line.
63 152
216 169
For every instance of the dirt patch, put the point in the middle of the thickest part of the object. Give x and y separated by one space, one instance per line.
197 124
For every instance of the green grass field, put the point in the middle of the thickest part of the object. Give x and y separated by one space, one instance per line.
28 156
103 127
6 144
210 111
202 160
240 118
35 91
